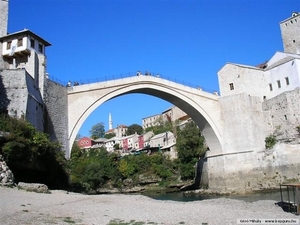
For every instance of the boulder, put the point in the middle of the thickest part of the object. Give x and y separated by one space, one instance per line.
144 180
35 187
107 191
6 176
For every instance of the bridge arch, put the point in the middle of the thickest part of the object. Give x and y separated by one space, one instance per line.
202 107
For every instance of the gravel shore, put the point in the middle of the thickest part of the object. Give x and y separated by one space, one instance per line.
18 207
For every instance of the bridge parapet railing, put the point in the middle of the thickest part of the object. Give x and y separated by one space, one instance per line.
128 75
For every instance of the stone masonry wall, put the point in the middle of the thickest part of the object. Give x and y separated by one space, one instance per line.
56 121
242 117
15 93
246 125
21 97
284 115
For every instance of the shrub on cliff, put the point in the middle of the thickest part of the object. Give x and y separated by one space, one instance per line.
270 141
30 154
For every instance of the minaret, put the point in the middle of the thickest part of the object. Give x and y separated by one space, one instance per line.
110 123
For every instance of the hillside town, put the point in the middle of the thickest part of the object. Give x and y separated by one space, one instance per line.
135 143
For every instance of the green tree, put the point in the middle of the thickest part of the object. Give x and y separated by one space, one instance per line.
78 136
30 154
109 135
190 145
117 146
92 169
97 131
134 128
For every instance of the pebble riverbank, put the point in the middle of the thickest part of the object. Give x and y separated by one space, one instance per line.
61 207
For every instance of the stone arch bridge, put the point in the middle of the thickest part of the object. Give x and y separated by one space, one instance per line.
202 107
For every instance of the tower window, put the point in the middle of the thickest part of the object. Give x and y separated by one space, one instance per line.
231 86
32 43
40 48
8 46
278 84
20 42
270 86
287 81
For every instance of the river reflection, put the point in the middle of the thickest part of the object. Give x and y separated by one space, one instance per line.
180 196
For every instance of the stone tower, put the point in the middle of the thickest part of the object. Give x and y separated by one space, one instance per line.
290 29
3 17
3 24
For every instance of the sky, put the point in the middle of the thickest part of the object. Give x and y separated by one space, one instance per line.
187 41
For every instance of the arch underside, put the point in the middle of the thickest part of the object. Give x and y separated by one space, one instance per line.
187 105
205 127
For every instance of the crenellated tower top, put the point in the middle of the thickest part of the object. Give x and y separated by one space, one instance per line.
290 30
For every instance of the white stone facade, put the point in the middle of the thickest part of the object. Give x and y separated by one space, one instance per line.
151 121
255 102
147 136
163 139
172 114
280 74
119 131
110 143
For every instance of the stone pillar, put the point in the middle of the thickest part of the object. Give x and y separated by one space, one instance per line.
3 24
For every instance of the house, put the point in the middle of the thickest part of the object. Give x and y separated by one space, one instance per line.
99 142
151 121
23 63
280 74
170 149
171 114
270 79
182 121
110 144
128 142
88 143
143 140
163 139
140 143
85 142
146 137
119 131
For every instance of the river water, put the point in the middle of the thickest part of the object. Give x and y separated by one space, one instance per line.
180 196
